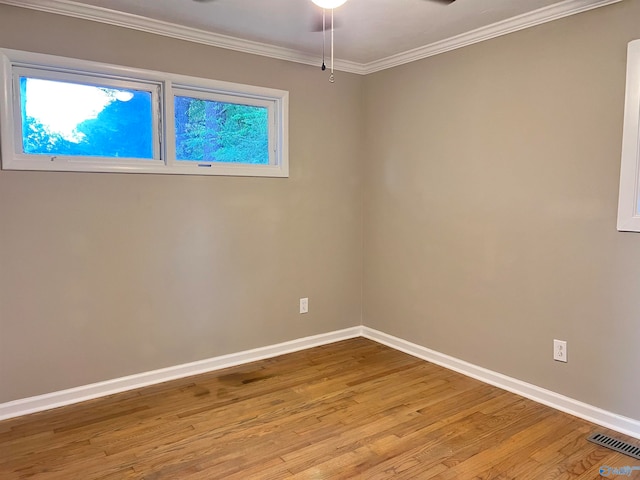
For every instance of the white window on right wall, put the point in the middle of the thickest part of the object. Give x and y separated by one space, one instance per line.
629 200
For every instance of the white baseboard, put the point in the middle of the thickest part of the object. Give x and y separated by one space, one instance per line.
47 401
571 406
596 415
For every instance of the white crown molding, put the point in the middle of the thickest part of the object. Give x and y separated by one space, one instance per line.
619 423
181 32
167 29
514 24
61 398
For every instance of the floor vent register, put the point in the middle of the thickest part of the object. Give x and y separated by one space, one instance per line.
615 444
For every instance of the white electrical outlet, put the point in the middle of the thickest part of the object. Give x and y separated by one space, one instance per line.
560 350
304 305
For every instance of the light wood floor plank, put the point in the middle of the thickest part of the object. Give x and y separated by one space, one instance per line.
353 409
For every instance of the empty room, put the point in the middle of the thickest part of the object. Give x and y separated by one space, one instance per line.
319 239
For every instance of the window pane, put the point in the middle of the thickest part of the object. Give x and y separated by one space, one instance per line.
64 118
210 131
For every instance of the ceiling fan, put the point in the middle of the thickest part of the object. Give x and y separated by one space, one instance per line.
329 4
321 24
318 22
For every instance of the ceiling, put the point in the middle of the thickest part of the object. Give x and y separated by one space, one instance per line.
372 34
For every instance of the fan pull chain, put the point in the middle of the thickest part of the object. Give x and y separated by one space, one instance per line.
324 37
331 77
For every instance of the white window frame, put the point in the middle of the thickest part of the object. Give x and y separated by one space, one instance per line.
212 95
629 199
14 62
34 160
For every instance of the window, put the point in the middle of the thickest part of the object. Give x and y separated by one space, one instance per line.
213 128
629 200
70 115
85 117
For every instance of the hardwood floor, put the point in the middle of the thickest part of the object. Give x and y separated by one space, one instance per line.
353 409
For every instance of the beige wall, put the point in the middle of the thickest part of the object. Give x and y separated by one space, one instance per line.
104 275
489 177
490 203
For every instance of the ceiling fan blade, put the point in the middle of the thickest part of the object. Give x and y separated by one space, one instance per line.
445 2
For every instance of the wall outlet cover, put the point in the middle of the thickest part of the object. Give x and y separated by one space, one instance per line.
560 350
304 305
